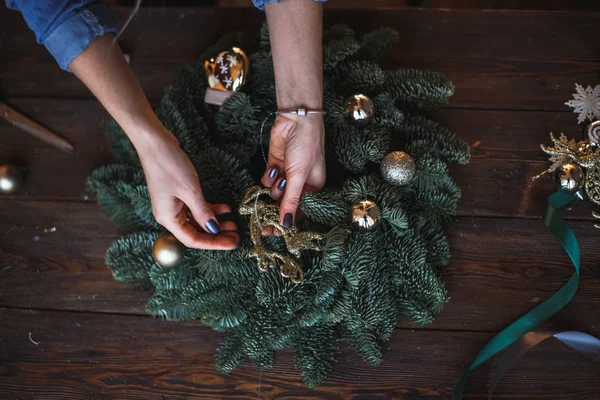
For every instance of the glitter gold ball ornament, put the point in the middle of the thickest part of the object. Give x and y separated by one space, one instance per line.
593 133
359 108
569 177
168 251
592 183
366 215
11 179
397 168
226 74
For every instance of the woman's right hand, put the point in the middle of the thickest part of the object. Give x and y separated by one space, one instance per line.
171 177
174 188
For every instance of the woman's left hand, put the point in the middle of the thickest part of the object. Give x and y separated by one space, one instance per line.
296 161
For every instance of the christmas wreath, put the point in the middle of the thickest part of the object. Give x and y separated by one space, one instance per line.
379 248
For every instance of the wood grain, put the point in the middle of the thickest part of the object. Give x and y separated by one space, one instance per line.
91 356
497 182
517 261
499 59
513 71
492 133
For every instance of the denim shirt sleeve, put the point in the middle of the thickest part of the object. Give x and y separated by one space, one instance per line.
66 27
260 4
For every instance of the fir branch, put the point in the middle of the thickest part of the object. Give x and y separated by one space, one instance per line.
418 91
314 352
374 45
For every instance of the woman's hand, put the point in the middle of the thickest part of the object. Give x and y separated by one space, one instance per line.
296 161
171 177
174 188
296 152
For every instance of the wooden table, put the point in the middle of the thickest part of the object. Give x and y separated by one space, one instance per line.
69 331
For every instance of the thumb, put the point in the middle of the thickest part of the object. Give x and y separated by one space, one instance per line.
291 199
201 212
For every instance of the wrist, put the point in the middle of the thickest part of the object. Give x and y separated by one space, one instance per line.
290 97
149 140
299 89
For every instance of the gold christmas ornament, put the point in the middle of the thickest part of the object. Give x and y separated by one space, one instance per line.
365 215
263 214
226 74
397 168
11 179
569 177
168 251
359 108
592 183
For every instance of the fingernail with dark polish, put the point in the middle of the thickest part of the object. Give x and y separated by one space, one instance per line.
288 219
213 227
281 185
273 172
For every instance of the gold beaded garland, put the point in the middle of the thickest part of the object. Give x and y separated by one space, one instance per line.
168 251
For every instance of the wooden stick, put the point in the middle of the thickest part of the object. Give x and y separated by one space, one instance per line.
24 123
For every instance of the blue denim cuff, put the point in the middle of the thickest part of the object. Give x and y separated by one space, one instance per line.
74 35
260 4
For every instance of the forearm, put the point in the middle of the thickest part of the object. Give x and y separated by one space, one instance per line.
296 44
103 69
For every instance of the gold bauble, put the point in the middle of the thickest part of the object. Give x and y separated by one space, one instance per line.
228 71
569 177
11 179
592 183
397 168
359 108
226 74
168 251
365 214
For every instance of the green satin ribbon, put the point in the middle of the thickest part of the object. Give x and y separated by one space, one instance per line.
550 306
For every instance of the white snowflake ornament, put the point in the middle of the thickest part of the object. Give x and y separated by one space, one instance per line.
586 103
232 60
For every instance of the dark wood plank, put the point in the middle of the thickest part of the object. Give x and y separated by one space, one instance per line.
520 265
497 182
51 174
91 356
491 187
492 133
82 121
547 35
497 59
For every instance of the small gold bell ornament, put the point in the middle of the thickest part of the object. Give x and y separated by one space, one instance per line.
359 109
569 177
365 215
11 179
226 74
